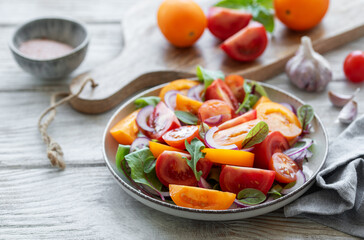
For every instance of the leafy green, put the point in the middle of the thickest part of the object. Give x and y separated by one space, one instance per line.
186 117
251 196
256 135
141 170
275 191
290 185
305 115
253 91
203 130
145 101
262 10
195 151
208 76
122 151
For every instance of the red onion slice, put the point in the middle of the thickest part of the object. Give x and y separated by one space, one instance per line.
139 143
290 107
247 149
170 99
301 179
142 118
195 92
204 184
293 151
214 121
210 142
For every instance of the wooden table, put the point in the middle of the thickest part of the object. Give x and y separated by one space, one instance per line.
84 202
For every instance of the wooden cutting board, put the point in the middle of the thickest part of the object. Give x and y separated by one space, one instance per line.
148 59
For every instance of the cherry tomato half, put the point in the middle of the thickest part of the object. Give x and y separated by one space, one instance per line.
247 44
234 179
225 22
354 66
162 120
274 142
200 198
219 90
176 137
171 168
284 167
234 135
213 108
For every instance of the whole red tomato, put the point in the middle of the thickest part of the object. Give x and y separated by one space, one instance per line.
354 66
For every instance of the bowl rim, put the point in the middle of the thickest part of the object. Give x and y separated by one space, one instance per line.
202 211
79 47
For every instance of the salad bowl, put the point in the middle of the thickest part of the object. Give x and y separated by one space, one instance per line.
310 167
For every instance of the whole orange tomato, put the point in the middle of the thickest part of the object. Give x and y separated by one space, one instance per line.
301 15
182 22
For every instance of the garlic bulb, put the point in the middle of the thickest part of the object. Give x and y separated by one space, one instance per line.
308 70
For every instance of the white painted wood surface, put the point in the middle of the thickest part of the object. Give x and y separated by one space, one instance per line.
84 202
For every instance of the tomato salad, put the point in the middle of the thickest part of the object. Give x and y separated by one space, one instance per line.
216 143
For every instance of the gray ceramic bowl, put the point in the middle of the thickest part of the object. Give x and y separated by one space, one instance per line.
310 168
63 30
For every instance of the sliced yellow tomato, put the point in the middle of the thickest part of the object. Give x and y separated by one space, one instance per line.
126 130
229 157
158 148
279 118
180 85
187 104
200 198
262 99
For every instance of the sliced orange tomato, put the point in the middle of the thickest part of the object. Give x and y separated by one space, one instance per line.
176 137
181 84
234 135
200 198
187 104
279 118
236 84
126 130
158 148
215 107
229 157
262 99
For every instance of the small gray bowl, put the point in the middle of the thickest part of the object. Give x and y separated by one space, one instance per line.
64 30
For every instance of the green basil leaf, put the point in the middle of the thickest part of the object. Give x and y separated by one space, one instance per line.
139 161
276 190
251 196
290 185
195 151
262 10
122 151
259 89
208 76
253 91
305 115
149 165
186 117
145 101
256 135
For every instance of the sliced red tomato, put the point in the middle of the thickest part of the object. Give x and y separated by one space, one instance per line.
234 135
246 117
236 84
284 167
176 137
212 108
234 179
219 90
274 142
171 168
200 198
247 44
225 22
162 120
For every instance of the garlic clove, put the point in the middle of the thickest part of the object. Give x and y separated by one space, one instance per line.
308 70
349 112
339 100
